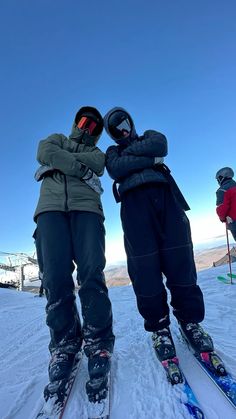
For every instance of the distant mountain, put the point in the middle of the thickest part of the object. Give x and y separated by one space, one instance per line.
204 259
225 258
117 275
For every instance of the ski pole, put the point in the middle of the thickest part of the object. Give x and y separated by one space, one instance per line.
230 267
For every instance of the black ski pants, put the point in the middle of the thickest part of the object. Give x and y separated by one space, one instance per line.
61 239
157 240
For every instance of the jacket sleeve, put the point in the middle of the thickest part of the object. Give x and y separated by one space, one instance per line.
94 160
222 204
121 166
50 152
151 144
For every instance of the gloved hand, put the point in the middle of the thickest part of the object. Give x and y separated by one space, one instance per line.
229 219
158 160
43 171
93 181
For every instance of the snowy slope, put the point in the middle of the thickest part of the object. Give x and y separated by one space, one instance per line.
140 389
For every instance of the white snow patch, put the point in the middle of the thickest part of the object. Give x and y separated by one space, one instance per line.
139 386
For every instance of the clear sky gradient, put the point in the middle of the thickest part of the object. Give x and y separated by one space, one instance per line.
172 64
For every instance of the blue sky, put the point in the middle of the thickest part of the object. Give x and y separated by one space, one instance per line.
172 64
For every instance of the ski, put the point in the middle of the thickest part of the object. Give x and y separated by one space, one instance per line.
231 275
192 403
214 367
57 394
227 280
101 409
223 279
98 387
175 376
225 383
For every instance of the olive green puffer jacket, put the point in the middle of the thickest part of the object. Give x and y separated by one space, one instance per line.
63 187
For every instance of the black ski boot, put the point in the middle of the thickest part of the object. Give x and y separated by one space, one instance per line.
60 366
163 344
99 365
198 339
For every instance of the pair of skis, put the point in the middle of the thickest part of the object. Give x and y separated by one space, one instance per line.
228 280
213 366
55 405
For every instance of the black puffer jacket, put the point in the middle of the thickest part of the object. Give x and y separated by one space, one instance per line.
132 163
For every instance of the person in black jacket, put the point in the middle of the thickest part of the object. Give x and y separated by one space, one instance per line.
157 234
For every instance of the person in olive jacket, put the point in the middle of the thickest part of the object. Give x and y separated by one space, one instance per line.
157 234
70 229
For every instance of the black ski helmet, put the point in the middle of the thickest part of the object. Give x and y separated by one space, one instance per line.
94 114
225 172
118 121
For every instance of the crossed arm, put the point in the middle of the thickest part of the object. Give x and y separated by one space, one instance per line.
51 153
141 154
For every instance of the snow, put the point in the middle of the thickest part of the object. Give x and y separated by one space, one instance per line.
139 386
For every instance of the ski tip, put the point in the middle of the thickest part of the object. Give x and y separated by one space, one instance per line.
195 411
223 279
231 276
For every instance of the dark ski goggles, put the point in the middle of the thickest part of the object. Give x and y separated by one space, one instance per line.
87 124
219 179
119 125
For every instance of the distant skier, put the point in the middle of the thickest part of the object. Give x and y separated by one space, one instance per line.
157 234
226 198
70 228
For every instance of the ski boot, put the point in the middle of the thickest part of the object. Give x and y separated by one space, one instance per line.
198 339
60 366
99 365
59 370
56 390
163 344
165 352
202 345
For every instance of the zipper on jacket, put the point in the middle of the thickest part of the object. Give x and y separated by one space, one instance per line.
66 194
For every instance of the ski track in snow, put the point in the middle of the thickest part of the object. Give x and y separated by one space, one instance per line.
139 387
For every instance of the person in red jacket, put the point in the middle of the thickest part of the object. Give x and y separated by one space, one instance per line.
226 198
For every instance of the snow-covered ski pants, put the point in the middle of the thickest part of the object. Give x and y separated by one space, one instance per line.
62 239
157 240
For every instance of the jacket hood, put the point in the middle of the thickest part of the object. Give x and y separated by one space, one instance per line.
80 136
123 141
